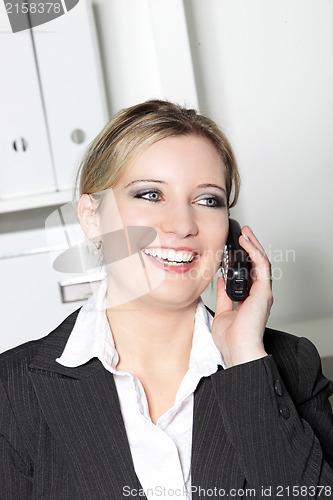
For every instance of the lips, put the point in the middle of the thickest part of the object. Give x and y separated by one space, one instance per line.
172 259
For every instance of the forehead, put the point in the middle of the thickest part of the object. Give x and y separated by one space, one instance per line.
187 157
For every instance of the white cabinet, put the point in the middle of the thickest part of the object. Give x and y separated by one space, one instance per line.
52 104
30 294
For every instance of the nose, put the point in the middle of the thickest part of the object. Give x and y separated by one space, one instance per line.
179 220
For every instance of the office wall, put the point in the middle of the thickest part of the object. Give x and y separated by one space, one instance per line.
265 72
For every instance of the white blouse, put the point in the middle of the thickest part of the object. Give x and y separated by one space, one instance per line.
161 453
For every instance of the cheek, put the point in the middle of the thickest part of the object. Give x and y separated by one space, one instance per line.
142 226
137 216
215 235
216 231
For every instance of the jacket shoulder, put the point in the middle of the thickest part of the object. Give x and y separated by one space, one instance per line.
274 340
290 350
19 357
296 358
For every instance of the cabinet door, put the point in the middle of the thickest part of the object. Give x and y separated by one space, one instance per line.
25 160
30 297
72 86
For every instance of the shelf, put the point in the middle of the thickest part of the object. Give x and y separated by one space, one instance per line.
36 201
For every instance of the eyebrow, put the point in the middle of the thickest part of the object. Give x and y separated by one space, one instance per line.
208 184
204 185
144 180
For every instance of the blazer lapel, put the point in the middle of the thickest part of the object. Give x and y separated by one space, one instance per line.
214 462
82 410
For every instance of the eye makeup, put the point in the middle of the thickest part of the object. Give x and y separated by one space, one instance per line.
211 201
152 195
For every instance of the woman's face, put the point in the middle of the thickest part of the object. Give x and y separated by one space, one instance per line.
177 187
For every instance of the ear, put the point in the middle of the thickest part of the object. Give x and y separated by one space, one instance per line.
88 217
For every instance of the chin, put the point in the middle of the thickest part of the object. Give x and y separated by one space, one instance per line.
171 295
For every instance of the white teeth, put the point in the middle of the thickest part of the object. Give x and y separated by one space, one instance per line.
185 256
170 255
164 254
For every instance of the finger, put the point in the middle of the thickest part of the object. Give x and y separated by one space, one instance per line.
254 240
223 303
261 269
256 253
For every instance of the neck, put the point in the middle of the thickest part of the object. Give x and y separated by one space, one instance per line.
152 337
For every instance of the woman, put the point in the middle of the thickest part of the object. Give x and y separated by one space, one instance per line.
142 390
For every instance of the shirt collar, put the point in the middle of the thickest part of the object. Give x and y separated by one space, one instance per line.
92 337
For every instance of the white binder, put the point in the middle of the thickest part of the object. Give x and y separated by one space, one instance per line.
25 160
72 86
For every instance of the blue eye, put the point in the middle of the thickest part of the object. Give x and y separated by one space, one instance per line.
149 195
211 201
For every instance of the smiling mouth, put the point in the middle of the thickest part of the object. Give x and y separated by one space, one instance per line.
171 257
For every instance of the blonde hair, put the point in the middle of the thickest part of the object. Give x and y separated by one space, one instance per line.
134 129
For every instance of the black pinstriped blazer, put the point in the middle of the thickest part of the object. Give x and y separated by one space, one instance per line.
267 423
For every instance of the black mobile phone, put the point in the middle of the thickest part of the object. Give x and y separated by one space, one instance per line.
235 265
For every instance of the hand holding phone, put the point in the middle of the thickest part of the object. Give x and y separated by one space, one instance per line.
238 331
